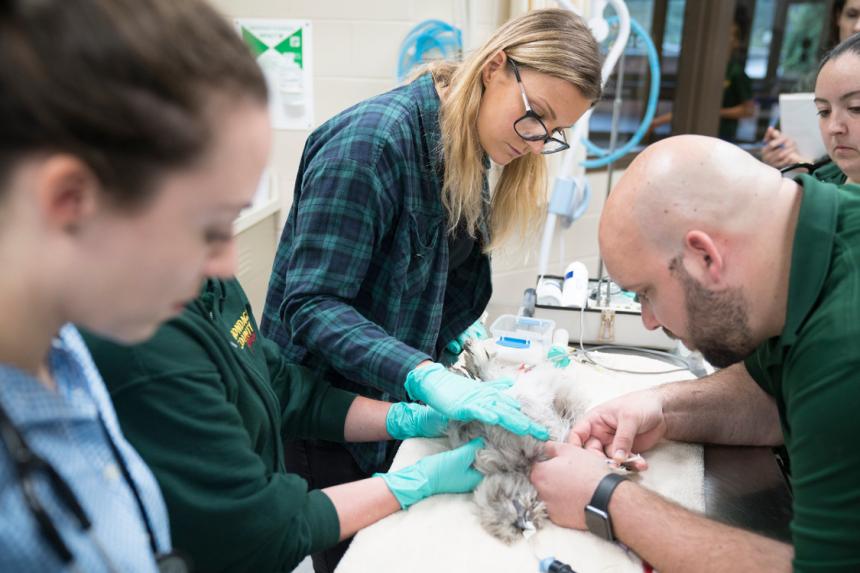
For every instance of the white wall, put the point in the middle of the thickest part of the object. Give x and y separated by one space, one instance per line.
515 269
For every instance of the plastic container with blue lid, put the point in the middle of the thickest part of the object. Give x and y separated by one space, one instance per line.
522 332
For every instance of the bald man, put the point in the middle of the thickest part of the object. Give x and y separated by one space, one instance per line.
762 275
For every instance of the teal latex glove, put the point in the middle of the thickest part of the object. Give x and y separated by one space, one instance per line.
407 420
448 472
559 357
464 399
476 332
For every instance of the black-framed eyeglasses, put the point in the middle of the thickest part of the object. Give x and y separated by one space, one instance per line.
530 127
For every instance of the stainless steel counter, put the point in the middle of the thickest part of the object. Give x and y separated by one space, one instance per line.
744 487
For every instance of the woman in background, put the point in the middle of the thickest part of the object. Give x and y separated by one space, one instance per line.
781 151
125 156
737 101
837 98
384 259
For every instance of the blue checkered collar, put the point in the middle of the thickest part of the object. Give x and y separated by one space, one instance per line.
28 401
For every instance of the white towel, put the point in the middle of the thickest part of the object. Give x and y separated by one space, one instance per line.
442 533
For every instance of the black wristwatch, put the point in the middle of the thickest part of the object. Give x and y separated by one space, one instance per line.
597 511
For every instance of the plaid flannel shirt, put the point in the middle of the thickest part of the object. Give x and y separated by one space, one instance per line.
360 290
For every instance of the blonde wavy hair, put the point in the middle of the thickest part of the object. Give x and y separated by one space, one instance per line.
552 41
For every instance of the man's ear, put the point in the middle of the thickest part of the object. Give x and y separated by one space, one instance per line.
705 261
494 65
67 192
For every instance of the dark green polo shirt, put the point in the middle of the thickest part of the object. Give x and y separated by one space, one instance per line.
737 89
813 371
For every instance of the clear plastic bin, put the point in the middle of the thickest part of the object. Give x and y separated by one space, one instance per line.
522 332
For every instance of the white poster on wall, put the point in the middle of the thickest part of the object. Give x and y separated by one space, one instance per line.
283 50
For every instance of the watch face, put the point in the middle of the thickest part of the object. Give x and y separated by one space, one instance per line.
598 523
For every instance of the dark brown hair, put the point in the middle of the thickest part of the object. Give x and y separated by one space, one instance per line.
849 46
835 13
125 85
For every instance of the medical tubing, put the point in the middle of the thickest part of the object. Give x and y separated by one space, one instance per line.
624 20
653 95
425 36
616 114
586 353
625 23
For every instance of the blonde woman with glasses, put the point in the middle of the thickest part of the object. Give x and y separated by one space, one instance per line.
385 257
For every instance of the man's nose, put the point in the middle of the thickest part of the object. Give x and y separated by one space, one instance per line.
648 318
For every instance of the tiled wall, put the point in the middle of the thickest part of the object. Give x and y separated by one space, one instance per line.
355 48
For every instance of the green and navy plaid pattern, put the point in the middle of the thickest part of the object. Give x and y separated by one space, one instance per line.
360 289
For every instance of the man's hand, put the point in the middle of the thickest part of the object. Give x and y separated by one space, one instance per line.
567 480
630 423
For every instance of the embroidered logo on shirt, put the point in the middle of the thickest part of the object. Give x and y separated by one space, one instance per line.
242 331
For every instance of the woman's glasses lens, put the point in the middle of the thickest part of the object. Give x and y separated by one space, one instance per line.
530 129
552 146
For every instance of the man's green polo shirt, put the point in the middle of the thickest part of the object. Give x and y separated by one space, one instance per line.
813 371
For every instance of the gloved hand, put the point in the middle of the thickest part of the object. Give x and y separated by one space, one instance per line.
447 472
558 356
477 332
461 398
406 420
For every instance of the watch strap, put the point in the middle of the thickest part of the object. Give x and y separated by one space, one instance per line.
603 493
